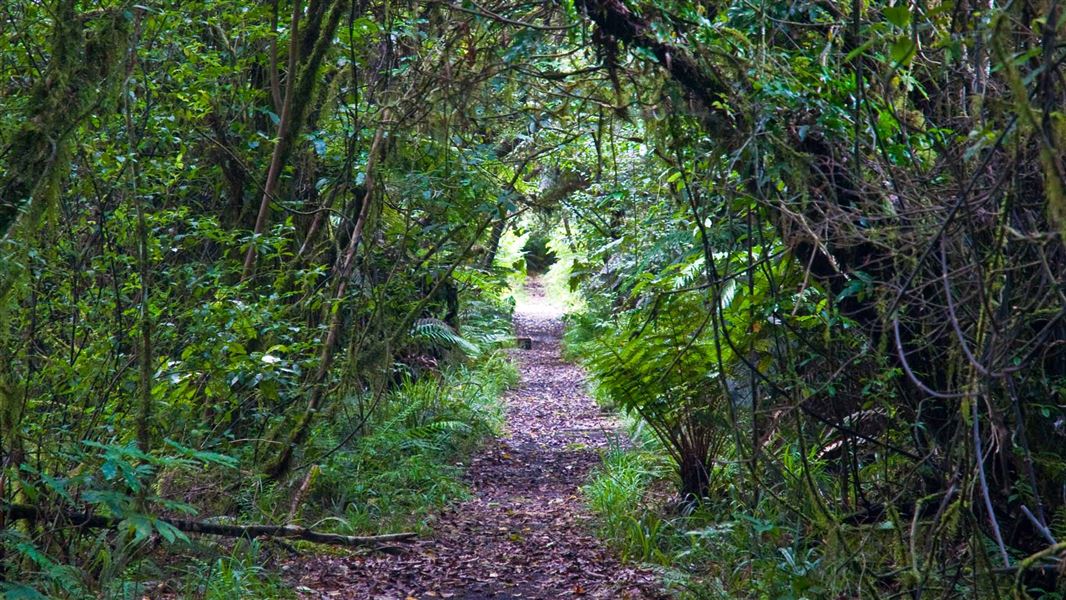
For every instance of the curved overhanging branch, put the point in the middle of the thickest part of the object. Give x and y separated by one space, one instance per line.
616 20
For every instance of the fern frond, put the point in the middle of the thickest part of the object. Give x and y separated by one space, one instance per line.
439 333
437 427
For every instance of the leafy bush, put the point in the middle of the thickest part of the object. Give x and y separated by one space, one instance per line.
538 253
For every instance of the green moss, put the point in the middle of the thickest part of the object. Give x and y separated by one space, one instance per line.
81 75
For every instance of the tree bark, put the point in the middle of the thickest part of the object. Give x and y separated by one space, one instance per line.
616 20
298 92
280 466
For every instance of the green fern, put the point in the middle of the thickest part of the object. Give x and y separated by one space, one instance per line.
1058 523
440 334
60 576
435 428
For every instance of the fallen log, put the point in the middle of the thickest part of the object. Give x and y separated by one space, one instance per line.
25 512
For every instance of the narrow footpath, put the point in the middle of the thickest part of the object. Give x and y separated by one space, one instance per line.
525 533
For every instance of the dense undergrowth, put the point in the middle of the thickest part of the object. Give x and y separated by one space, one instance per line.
255 258
779 536
405 467
408 464
716 549
376 465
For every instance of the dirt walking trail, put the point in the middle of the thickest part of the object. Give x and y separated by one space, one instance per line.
525 533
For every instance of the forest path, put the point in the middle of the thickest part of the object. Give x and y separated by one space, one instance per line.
524 533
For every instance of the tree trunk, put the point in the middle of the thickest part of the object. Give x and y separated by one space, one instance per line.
80 76
25 512
494 243
294 108
695 478
281 465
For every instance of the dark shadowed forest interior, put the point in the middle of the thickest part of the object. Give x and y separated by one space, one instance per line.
517 299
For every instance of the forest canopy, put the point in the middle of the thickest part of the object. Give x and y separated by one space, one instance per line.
258 262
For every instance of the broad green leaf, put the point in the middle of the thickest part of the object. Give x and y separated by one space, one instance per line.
902 51
899 15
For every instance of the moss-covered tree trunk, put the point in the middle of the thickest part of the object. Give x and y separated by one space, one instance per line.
297 435
317 40
81 75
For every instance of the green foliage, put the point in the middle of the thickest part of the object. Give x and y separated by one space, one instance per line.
538 254
511 257
557 280
402 464
664 371
724 548
616 493
816 248
437 333
238 573
229 358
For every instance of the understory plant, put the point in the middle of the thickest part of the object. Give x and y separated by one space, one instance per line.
405 462
663 371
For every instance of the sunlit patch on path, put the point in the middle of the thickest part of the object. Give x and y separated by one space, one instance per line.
525 532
